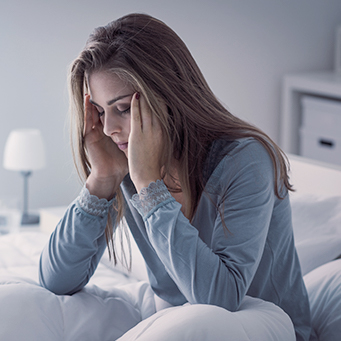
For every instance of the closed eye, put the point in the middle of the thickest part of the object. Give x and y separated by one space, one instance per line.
123 112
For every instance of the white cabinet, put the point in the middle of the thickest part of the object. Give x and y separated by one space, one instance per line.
322 84
320 132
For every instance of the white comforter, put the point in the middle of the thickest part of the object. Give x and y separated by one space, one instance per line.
30 312
115 301
112 303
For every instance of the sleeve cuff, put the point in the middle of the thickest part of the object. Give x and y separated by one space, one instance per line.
151 197
91 204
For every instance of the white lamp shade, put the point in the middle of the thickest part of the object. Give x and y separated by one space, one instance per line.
24 150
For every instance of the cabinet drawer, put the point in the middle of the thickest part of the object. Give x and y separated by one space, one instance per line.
319 146
321 115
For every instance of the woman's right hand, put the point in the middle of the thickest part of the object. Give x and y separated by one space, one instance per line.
109 165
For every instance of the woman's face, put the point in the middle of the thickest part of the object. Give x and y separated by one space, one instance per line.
112 96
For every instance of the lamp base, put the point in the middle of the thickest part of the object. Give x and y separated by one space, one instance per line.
3 220
29 219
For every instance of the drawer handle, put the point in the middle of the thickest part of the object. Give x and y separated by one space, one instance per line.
326 143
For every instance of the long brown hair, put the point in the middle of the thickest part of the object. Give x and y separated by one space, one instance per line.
157 63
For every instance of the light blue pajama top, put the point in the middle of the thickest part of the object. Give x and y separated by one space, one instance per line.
198 261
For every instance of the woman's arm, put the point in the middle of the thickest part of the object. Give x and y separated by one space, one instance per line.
76 246
221 273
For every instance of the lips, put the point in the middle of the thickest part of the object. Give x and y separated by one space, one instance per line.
122 146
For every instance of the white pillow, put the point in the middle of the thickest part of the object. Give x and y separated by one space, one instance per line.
324 290
317 229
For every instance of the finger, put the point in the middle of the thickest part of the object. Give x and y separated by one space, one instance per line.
146 115
136 121
88 115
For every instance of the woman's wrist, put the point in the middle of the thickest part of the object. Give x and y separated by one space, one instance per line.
103 188
144 184
141 182
150 197
93 205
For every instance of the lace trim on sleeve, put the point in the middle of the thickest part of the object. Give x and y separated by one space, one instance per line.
92 204
150 197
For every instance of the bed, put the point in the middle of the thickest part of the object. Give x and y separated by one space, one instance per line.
115 300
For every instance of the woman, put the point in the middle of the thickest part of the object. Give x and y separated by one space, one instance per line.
204 193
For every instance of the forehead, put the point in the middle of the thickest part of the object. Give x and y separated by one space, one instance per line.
103 84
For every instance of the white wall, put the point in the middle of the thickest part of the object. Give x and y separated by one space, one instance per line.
244 47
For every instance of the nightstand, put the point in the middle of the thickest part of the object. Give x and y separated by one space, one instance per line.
49 218
10 222
295 86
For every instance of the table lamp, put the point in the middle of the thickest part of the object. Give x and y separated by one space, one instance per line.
24 152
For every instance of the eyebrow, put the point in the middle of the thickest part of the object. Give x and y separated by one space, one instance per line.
112 101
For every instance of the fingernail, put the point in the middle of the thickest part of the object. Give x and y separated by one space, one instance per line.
137 95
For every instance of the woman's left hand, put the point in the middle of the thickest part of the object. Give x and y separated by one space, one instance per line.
145 144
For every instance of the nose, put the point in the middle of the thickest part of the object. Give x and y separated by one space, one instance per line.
111 125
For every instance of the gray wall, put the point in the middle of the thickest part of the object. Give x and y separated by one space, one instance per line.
243 47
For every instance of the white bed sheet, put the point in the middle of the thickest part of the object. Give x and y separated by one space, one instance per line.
111 304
